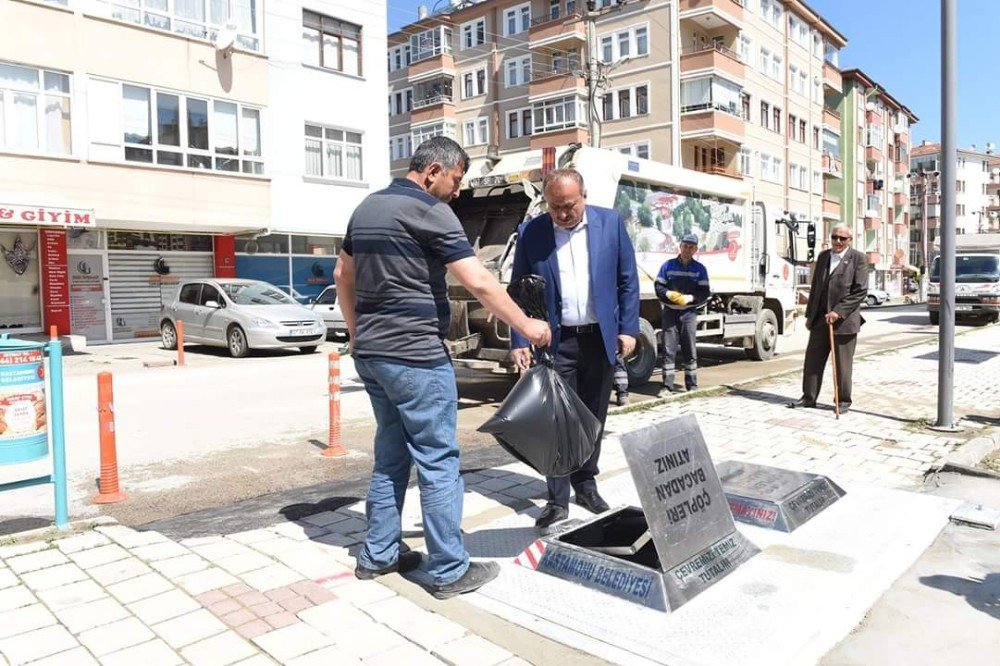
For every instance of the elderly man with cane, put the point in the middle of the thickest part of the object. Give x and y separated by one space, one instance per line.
839 287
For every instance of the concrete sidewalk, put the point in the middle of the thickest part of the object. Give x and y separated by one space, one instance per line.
111 595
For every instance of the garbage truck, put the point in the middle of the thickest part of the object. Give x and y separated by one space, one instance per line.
751 255
977 279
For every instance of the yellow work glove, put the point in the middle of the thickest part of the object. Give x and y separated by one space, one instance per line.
675 297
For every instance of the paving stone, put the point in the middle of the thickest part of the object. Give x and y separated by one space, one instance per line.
203 581
218 550
72 595
130 538
45 579
138 588
471 651
238 564
236 589
295 604
324 518
92 614
361 593
35 561
265 609
280 594
405 653
225 606
293 530
160 551
259 660
333 614
309 562
270 577
189 628
115 572
80 542
279 620
240 617
325 657
252 598
292 641
22 620
424 628
253 628
176 567
165 606
36 644
276 545
15 549
8 579
95 557
497 484
210 597
78 656
252 536
515 661
361 637
219 650
116 636
153 653
201 541
350 524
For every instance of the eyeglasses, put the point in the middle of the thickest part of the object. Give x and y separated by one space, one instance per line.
842 239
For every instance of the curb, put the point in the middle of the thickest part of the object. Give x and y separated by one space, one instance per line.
971 453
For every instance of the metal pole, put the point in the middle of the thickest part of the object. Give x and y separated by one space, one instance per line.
946 330
58 434
592 75
925 274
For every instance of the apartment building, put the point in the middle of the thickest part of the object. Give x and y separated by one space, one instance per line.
744 88
875 149
976 189
138 148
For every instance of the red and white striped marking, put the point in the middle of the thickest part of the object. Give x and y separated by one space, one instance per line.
532 555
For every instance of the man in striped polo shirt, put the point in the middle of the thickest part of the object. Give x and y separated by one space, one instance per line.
682 285
391 285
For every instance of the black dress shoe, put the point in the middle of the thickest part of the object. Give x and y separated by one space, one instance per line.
406 562
591 501
844 407
800 403
551 514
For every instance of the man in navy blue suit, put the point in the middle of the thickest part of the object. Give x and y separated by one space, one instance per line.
592 293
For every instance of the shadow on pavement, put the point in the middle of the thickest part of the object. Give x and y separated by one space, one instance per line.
983 595
963 355
23 524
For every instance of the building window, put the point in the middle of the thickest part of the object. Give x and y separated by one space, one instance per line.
802 131
170 129
772 12
798 177
798 31
745 99
765 115
400 147
711 93
331 43
333 153
792 127
201 19
401 102
474 83
626 103
399 57
518 123
34 109
430 43
557 114
746 161
709 160
770 168
424 132
640 150
517 19
474 33
518 71
815 138
631 42
432 91
777 120
771 64
745 48
476 132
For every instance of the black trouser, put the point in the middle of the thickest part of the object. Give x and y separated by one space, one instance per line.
581 361
621 375
680 329
817 351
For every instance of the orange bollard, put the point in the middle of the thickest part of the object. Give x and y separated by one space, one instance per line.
109 492
53 331
180 342
334 447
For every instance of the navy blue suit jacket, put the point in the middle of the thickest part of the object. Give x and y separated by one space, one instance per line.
614 282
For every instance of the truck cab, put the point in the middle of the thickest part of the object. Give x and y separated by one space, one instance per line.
977 279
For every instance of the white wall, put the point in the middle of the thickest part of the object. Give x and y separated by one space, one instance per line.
299 93
973 198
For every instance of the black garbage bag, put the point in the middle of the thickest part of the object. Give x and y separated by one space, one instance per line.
544 424
528 291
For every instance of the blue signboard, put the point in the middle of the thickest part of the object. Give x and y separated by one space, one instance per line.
309 275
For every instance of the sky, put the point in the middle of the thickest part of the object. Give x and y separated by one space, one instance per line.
898 44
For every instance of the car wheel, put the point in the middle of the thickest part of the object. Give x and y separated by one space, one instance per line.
871 300
168 335
308 350
237 339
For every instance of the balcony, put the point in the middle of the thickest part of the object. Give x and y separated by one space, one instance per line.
900 229
719 170
901 168
993 189
874 257
558 138
543 83
718 58
899 199
873 154
872 222
832 166
832 78
831 119
831 208
441 108
444 62
703 121
708 13
561 30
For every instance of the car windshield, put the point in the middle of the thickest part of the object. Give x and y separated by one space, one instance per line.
970 268
257 293
328 297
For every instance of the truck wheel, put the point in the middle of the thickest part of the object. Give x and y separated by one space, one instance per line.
639 367
766 338
935 317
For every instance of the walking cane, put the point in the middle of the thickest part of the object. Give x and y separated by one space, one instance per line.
836 384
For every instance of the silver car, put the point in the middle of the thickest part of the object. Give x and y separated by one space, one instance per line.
241 315
325 305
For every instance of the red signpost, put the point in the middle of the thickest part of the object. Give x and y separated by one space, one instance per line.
334 447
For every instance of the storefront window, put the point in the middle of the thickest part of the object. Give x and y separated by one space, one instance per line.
20 282
137 240
315 245
270 244
85 239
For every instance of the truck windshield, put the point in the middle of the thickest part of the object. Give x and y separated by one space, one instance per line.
970 268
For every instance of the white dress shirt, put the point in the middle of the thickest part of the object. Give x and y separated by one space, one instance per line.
574 274
835 259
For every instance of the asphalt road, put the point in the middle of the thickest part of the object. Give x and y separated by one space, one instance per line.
221 431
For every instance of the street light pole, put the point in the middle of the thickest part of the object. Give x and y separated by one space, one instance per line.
949 155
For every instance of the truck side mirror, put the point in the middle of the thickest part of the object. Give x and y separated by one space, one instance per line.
811 241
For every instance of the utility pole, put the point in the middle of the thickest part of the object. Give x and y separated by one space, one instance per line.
949 155
592 74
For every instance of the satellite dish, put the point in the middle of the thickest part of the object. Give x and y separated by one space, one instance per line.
225 40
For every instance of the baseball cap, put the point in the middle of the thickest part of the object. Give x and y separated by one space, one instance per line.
690 238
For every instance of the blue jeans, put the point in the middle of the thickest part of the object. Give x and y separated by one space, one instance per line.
416 412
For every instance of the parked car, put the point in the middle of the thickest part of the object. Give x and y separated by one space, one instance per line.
325 305
241 315
876 297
